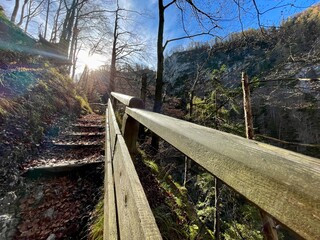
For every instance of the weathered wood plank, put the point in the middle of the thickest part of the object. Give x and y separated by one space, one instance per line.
128 100
130 131
114 128
110 231
135 217
283 183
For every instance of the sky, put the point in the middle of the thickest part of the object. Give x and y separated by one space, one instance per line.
230 18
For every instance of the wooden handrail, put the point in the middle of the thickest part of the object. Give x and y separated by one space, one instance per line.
128 101
280 182
127 214
283 183
130 127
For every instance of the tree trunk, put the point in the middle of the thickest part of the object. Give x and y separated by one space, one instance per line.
269 228
15 11
53 37
247 106
47 17
113 70
74 39
159 80
66 32
75 58
28 17
143 93
187 166
22 12
217 201
191 103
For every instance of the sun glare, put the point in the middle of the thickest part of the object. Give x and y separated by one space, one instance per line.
92 61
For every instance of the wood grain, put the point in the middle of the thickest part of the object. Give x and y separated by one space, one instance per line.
136 220
110 231
282 183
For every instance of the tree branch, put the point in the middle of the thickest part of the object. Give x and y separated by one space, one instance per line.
169 4
196 9
188 36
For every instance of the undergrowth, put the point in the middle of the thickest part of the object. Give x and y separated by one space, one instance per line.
96 225
176 216
31 101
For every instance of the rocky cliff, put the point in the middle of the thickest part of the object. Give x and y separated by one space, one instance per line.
283 64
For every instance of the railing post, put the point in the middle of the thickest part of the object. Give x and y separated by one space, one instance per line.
269 227
130 127
114 102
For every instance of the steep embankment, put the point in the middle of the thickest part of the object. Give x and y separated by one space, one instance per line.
284 107
15 45
35 101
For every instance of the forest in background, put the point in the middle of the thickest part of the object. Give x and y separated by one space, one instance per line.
207 76
204 78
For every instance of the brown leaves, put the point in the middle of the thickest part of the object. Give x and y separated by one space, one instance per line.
54 213
60 206
73 146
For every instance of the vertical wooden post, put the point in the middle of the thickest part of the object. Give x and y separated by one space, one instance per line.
143 96
217 200
269 227
114 102
130 127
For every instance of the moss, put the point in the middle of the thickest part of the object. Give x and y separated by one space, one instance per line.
85 107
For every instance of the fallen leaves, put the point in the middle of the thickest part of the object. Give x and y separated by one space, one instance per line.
59 207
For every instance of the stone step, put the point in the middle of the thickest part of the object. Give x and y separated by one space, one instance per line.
77 143
62 167
83 134
79 125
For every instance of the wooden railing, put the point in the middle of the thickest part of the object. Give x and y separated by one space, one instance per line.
282 183
127 214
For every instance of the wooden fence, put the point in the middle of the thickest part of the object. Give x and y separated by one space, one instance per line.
282 183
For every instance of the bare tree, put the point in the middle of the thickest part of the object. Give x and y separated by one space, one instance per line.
33 11
15 11
22 12
122 47
47 18
53 37
161 45
114 50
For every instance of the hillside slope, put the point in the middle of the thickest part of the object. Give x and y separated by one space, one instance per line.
285 108
35 101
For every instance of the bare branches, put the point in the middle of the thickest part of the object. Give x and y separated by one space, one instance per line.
169 4
199 15
237 2
199 11
258 12
189 36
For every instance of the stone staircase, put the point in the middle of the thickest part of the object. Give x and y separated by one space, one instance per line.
63 183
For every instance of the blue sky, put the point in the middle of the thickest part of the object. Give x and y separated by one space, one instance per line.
228 13
230 18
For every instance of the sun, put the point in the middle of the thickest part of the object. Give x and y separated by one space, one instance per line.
93 61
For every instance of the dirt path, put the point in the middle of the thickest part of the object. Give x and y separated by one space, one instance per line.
63 183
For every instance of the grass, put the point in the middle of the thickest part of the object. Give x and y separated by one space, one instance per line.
96 227
177 217
12 37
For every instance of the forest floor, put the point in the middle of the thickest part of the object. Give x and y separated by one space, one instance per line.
63 183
